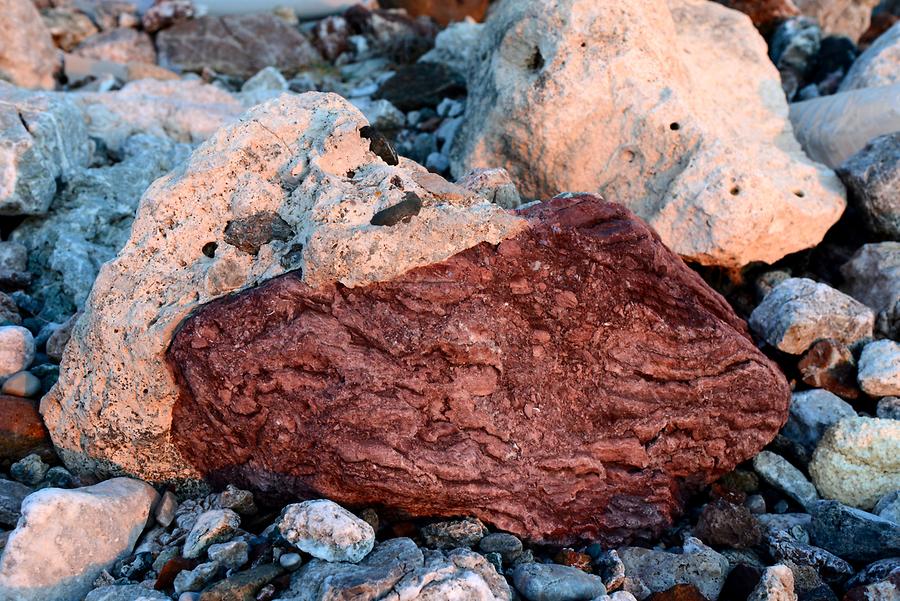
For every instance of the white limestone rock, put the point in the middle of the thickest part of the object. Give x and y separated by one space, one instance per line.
878 66
65 538
28 57
43 139
800 311
879 369
858 461
872 276
623 99
326 531
299 161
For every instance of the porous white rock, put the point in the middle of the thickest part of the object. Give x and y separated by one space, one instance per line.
623 99
833 128
799 311
858 461
297 159
879 65
879 368
43 140
326 530
16 349
28 57
872 276
182 110
65 538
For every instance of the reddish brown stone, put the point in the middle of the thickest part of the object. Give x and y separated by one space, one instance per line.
570 383
724 524
22 430
765 14
442 11
829 364
572 558
679 592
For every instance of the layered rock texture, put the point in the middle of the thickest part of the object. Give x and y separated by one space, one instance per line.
426 350
622 99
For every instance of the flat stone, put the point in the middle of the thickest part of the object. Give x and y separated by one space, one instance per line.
811 413
853 534
11 496
858 461
878 66
507 545
872 276
831 568
879 368
214 526
874 572
242 586
196 579
479 285
239 45
236 499
658 571
778 472
16 349
232 554
45 557
28 57
22 384
326 530
662 136
553 582
125 592
495 185
800 311
165 509
29 470
872 176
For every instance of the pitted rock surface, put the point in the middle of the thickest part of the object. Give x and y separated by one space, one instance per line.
577 365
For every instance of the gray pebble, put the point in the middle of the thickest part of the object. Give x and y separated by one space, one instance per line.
23 384
290 561
29 470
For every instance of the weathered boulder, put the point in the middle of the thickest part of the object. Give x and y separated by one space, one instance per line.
878 66
184 111
841 17
43 141
872 276
28 57
237 45
65 538
623 100
872 177
489 346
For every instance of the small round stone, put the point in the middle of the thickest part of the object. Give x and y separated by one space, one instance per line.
290 561
16 349
22 384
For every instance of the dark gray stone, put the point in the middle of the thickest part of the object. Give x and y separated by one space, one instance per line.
554 582
11 496
853 534
872 177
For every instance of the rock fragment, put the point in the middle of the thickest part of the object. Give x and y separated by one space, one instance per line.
811 413
327 531
872 276
659 571
879 368
778 472
853 534
872 177
211 527
27 57
829 365
776 584
553 582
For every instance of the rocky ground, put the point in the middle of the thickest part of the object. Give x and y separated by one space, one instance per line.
348 260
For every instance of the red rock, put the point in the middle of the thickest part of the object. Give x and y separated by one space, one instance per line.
238 45
679 592
829 364
22 430
765 14
442 11
414 394
572 558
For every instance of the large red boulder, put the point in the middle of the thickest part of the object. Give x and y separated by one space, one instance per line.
573 382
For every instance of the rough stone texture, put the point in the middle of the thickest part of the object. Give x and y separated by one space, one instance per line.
888 408
125 592
765 14
27 55
841 17
11 496
326 531
811 413
800 311
440 10
510 327
211 527
493 184
778 472
659 571
830 365
295 155
776 584
858 461
123 45
621 98
879 65
724 524
47 558
237 45
89 222
455 46
853 534
833 128
42 141
872 276
67 26
184 111
553 582
879 368
888 507
783 547
872 177
21 429
453 534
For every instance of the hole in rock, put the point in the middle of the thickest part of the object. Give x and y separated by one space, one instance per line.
799 193
209 249
735 191
674 126
536 62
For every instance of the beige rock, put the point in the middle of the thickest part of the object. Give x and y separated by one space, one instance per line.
879 65
186 111
495 185
833 128
776 584
28 57
623 99
858 461
841 17
297 159
67 26
65 538
123 45
79 69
